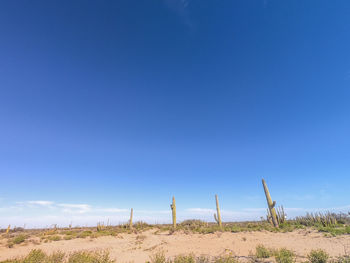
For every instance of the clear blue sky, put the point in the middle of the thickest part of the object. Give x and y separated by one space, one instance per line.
107 105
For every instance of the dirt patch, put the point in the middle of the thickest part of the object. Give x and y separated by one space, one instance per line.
139 247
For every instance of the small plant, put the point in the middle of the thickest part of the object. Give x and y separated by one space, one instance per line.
158 258
19 239
225 259
100 227
318 256
262 252
54 238
341 259
35 256
84 234
203 259
281 215
193 223
284 256
90 257
184 259
57 257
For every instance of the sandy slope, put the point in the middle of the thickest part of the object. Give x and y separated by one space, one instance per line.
139 247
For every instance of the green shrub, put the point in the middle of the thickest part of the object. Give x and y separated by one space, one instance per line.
225 259
90 257
54 238
57 257
158 258
16 240
38 256
342 259
262 252
35 256
202 259
84 234
284 256
184 259
318 256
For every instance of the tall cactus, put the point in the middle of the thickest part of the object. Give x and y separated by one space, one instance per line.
217 216
8 229
131 215
270 204
173 209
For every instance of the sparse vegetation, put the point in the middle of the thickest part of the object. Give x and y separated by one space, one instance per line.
38 256
16 240
330 224
318 256
223 259
284 255
341 259
54 238
262 252
281 215
326 219
90 257
160 258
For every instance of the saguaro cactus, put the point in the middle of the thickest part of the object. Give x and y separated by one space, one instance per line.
217 216
173 209
130 221
8 229
270 204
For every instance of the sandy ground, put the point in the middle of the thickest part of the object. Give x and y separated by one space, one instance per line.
139 247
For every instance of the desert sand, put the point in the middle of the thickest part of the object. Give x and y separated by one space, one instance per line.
139 247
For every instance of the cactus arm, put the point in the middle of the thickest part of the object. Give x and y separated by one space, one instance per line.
273 204
217 221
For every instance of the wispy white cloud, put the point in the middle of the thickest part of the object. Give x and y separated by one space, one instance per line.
35 204
201 210
111 210
306 197
154 211
75 208
40 203
65 207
